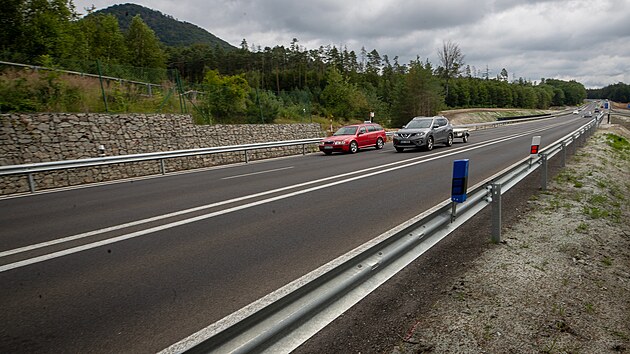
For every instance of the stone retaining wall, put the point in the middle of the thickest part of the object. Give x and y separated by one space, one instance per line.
31 138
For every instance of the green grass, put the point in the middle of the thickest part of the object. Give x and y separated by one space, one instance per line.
569 176
595 212
598 199
617 142
582 228
589 307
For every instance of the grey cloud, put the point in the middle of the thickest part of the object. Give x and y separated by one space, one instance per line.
531 38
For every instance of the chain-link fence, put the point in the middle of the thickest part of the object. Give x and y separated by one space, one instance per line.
91 86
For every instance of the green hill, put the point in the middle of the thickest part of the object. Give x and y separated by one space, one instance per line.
169 30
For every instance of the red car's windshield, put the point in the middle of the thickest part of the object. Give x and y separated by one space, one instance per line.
346 131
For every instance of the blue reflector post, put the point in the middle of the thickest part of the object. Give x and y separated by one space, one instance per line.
460 181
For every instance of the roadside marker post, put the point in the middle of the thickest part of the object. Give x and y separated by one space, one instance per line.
535 147
459 185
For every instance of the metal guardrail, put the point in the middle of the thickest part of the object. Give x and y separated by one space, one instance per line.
299 309
621 112
486 125
30 169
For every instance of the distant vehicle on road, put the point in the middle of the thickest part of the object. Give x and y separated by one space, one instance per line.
424 132
351 138
588 114
576 112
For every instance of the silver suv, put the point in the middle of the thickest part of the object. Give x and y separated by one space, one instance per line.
424 132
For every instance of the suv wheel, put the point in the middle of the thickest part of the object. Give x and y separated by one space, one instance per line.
465 139
430 143
354 147
449 140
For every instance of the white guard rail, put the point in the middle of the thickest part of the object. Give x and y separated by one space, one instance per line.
30 169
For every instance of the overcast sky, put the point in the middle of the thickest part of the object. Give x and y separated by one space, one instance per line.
587 41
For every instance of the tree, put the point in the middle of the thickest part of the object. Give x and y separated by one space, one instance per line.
143 46
37 28
10 24
225 96
262 106
451 60
373 67
103 37
337 94
417 95
504 75
567 92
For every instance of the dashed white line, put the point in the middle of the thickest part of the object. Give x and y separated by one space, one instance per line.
258 173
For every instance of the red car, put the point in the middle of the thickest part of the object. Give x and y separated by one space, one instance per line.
351 138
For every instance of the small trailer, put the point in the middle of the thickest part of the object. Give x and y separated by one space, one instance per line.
462 133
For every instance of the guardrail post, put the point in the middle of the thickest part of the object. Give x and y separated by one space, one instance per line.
303 149
543 172
246 156
162 169
496 212
584 136
564 154
31 183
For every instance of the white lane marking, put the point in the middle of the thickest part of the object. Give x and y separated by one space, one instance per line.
258 173
72 250
190 210
229 210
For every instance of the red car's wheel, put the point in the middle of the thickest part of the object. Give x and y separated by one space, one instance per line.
379 143
354 147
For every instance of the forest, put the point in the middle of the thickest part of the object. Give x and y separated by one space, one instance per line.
618 92
244 84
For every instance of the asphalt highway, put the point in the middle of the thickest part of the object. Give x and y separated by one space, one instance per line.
136 266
